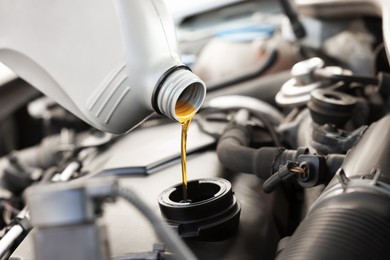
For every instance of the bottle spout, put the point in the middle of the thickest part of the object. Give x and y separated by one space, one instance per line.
179 94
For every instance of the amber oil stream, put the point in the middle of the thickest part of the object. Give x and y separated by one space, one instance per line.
184 112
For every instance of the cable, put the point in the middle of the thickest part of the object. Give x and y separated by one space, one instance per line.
269 126
177 246
266 120
8 239
324 74
22 225
284 173
202 121
297 26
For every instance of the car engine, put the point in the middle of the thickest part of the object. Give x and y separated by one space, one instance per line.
287 158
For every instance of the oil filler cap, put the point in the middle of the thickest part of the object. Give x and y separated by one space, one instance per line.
211 213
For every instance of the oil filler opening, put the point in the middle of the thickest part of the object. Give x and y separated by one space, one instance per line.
212 213
197 192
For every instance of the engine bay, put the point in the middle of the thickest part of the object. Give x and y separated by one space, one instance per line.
287 158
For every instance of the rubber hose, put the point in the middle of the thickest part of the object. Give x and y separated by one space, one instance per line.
233 153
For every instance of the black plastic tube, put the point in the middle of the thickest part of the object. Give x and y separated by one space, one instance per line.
233 153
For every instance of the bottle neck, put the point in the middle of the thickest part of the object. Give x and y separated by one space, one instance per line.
177 86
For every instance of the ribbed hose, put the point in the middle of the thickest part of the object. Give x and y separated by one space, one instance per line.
352 231
351 219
